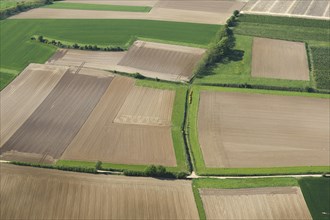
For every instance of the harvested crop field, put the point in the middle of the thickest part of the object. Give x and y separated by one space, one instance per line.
255 203
146 106
89 59
292 8
254 130
102 139
53 125
169 62
279 59
21 98
150 3
28 192
181 11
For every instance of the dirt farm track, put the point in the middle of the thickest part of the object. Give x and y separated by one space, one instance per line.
52 194
255 130
257 203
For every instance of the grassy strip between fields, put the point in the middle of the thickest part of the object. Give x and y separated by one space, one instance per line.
199 164
317 196
235 184
177 134
98 7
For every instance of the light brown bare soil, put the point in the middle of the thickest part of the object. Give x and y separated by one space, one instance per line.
146 106
181 11
279 59
53 125
32 193
256 203
255 130
21 97
102 139
89 59
162 59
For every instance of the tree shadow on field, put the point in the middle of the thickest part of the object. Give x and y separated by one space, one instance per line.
233 56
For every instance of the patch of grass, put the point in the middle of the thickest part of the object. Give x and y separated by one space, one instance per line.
18 50
237 69
321 63
98 7
317 196
314 32
6 77
235 184
200 167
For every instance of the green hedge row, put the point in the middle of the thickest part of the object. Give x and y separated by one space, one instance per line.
41 39
156 171
48 166
22 6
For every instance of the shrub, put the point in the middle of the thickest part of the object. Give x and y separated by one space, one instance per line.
98 165
236 13
139 76
41 38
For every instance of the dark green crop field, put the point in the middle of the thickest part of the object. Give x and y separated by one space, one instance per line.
317 195
99 7
18 50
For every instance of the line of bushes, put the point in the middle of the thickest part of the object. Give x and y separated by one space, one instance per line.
156 171
44 40
22 6
265 87
220 48
49 166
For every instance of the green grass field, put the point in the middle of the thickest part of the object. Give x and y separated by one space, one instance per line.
235 184
198 160
17 50
99 7
317 196
177 135
237 70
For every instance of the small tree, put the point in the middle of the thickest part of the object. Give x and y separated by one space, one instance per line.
41 38
151 170
236 13
98 165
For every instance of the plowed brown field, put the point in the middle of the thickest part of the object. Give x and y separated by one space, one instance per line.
256 203
279 59
181 11
21 97
32 193
53 125
255 130
162 59
146 106
102 139
90 59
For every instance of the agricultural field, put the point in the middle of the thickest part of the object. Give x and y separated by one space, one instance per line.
61 113
261 198
279 59
122 143
258 132
122 32
321 66
95 115
49 194
23 96
183 11
243 133
236 70
296 8
173 63
317 195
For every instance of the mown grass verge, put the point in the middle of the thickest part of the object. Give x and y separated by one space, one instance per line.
178 114
317 196
98 7
197 155
235 184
